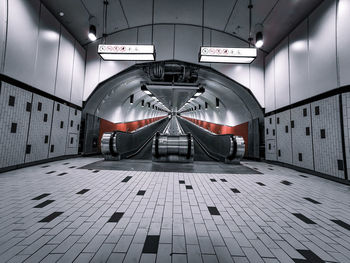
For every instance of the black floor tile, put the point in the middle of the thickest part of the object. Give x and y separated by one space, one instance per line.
286 182
45 166
213 180
189 187
213 211
304 218
83 191
236 191
51 172
151 245
50 217
312 200
261 184
96 171
270 169
45 203
65 163
126 179
310 256
342 224
71 167
115 217
61 174
223 180
141 192
303 176
40 197
182 182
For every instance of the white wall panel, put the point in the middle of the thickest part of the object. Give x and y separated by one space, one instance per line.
188 39
144 35
270 137
270 82
3 18
343 41
78 75
92 69
164 41
284 137
298 62
256 84
47 54
65 65
22 40
282 74
322 48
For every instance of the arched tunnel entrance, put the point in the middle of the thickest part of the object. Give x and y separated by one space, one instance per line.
148 92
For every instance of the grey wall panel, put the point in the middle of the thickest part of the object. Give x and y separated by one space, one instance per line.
343 41
282 74
188 39
78 75
3 21
302 137
14 124
270 138
322 48
298 61
144 35
65 65
327 136
59 130
48 41
164 41
270 82
257 85
39 130
74 124
22 44
284 137
346 117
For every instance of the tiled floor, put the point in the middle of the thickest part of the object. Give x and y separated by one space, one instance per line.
58 213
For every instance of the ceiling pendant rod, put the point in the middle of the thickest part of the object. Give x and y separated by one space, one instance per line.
105 6
152 21
203 23
250 38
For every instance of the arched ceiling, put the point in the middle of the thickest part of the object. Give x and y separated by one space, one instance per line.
279 17
111 99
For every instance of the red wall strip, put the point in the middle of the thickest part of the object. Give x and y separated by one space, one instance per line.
107 126
239 130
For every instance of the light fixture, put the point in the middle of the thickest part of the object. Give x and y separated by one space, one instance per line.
217 103
143 103
127 52
227 55
259 39
61 14
92 33
131 98
206 105
199 92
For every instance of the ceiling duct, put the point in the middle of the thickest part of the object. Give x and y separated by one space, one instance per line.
172 72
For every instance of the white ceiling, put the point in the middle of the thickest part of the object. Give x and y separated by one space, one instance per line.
279 17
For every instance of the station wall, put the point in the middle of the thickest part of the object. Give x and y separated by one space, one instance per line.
37 50
34 128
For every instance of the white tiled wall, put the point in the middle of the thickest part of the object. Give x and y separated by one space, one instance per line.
59 133
346 116
283 133
270 137
327 151
302 143
28 143
324 155
13 145
73 131
39 128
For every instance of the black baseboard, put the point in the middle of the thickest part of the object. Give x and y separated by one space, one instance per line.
19 166
304 170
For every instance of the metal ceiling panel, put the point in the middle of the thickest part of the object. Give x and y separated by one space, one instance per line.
217 13
138 12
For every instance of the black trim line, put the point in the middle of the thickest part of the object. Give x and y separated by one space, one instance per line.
37 91
303 170
343 136
325 95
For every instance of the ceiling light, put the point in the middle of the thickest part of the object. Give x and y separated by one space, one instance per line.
61 14
217 103
259 40
227 55
199 92
127 52
92 33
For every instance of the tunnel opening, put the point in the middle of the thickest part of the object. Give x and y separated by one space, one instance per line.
223 107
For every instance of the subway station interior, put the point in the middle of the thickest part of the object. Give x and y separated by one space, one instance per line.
175 131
